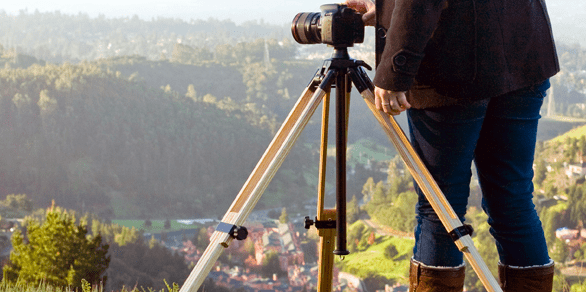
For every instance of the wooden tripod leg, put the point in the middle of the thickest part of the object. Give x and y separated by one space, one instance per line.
256 183
327 245
323 158
327 237
432 192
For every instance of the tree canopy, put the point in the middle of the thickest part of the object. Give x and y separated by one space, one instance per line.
57 251
84 135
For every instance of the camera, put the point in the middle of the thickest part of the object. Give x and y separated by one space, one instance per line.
337 25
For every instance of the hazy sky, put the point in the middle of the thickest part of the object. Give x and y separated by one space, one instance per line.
272 11
567 15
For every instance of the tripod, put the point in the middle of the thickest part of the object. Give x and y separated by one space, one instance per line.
340 71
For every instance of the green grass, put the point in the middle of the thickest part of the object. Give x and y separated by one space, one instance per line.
574 133
364 150
157 225
565 119
43 287
122 206
9 287
373 262
311 178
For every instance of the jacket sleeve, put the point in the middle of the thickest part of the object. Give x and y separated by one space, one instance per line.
411 26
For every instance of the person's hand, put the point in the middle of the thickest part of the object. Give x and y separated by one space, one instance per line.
391 102
364 7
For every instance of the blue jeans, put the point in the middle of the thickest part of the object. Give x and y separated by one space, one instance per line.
499 135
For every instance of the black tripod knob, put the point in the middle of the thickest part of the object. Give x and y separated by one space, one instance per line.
239 233
308 222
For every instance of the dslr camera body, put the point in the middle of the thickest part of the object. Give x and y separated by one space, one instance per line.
337 25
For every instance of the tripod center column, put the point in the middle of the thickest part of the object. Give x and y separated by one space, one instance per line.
341 140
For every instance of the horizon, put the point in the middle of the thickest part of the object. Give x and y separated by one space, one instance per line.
277 13
566 15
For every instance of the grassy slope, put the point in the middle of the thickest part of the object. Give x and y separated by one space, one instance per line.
574 133
363 150
372 261
43 287
552 127
157 225
370 150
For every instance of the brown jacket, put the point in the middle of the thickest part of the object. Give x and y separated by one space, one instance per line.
445 51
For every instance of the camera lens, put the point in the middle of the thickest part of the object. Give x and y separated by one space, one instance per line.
306 28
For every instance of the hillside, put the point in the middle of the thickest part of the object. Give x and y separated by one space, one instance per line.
89 137
138 134
57 37
574 133
376 259
551 128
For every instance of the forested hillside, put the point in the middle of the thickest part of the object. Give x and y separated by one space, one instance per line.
137 134
74 38
273 88
55 37
85 136
560 190
569 85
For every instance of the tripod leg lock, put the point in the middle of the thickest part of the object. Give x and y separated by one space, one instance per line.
461 231
329 224
236 232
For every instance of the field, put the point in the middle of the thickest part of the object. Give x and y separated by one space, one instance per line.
364 150
157 225
375 262
550 128
573 133
42 287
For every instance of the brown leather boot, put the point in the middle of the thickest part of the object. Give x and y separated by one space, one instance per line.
521 279
424 278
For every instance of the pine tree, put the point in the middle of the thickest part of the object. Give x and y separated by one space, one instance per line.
352 210
368 190
153 242
191 93
284 218
57 251
201 239
271 265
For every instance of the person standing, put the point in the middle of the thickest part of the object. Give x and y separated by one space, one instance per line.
471 76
